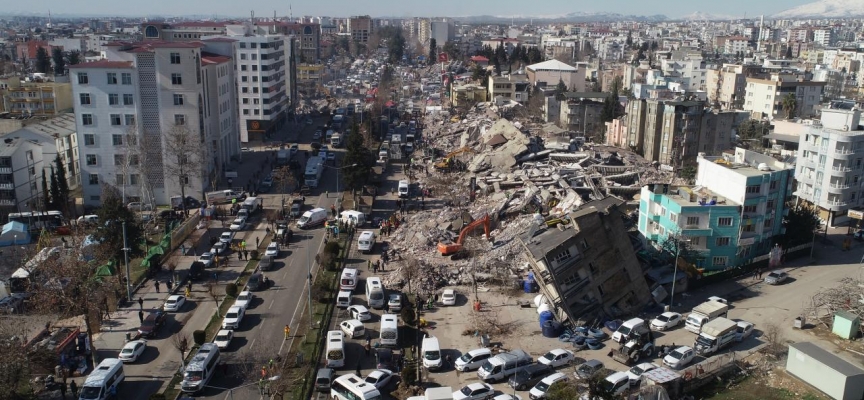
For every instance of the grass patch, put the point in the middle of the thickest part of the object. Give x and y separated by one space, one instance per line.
751 388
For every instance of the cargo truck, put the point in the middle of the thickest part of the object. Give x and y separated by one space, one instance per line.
716 334
703 313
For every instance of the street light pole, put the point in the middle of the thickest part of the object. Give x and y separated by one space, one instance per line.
675 270
309 282
126 257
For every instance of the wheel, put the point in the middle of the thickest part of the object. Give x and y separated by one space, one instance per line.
520 387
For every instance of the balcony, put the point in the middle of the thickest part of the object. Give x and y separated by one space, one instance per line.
7 186
572 290
843 152
836 187
687 231
840 168
5 170
7 202
837 203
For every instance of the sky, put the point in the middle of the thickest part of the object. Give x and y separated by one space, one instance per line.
398 8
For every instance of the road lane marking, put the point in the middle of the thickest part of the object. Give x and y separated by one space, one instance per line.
252 345
271 304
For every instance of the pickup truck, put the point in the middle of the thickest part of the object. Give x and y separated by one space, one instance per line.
715 335
704 313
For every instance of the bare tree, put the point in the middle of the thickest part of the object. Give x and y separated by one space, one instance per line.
212 290
184 157
181 343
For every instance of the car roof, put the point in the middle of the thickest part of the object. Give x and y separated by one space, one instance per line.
684 348
744 324
449 291
476 385
380 372
558 351
617 376
670 313
554 377
593 362
359 307
353 322
235 308
247 292
174 296
133 343
646 365
223 332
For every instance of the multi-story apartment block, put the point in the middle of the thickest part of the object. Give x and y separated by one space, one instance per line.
729 217
139 95
690 72
735 44
56 136
830 172
182 31
727 85
424 30
825 36
263 78
513 87
588 268
442 32
361 28
580 112
22 163
635 124
22 98
765 95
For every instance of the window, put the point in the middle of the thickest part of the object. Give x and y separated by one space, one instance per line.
133 179
750 209
83 79
119 159
126 78
245 101
753 189
115 120
178 99
91 159
575 278
179 119
773 185
722 241
696 241
242 56
769 222
112 78
133 159
89 139
242 45
94 179
692 221
245 111
84 99
718 261
87 119
175 58
244 79
770 206
257 111
117 140
129 119
673 217
120 180
242 67
128 99
724 221
113 99
31 170
562 257
254 67
749 228
245 90
176 79
584 244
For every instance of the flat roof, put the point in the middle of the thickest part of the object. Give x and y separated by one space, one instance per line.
828 359
103 64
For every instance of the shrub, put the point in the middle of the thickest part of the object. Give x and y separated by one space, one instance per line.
332 247
408 316
199 336
409 374
254 254
231 289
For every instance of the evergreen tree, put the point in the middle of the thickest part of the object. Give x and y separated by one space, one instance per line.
629 41
358 160
560 89
109 232
63 192
74 57
59 61
46 195
43 61
789 52
433 53
55 190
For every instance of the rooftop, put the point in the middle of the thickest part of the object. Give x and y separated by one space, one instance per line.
827 358
552 65
103 64
697 196
210 58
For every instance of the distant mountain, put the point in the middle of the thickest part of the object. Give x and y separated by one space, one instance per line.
701 16
571 17
825 9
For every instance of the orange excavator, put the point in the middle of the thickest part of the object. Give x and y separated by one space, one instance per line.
447 249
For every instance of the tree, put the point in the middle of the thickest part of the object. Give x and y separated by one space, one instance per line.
752 129
74 57
801 223
629 41
560 90
790 105
59 61
61 198
46 195
43 61
563 390
478 74
452 50
395 46
433 51
789 52
358 155
184 157
55 190
109 232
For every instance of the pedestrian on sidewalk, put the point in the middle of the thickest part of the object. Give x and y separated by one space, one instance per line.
287 331
246 254
189 287
169 284
141 316
141 302
156 285
375 267
188 292
257 242
240 256
759 270
358 369
73 387
63 389
368 265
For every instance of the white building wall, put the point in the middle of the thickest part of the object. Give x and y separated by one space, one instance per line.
721 180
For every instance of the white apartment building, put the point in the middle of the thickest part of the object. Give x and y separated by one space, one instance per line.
141 93
824 36
263 78
764 95
691 72
735 44
830 172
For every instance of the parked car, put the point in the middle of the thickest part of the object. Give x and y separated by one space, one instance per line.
223 338
448 297
233 317
174 303
272 250
238 224
152 322
206 258
219 248
776 277
384 359
636 372
394 302
528 376
226 237
132 350
743 331
257 282
244 299
557 357
588 369
539 391
679 357
667 320
139 206
474 391
360 313
379 378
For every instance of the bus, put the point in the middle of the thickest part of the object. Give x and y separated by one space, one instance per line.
353 387
335 349
389 330
374 292
104 379
37 220
314 169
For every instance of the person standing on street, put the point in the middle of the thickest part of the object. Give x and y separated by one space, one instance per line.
287 331
141 303
73 387
141 316
156 285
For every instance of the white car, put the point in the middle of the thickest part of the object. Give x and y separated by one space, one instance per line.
679 357
448 298
272 249
207 259
541 388
636 372
360 313
132 350
238 224
223 338
244 299
474 391
379 378
219 248
226 237
394 302
667 320
506 396
174 302
743 331
233 317
556 358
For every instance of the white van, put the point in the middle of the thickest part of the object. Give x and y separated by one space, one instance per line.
355 216
252 204
389 330
353 328
335 349
375 293
431 353
366 242
107 375
312 218
202 367
348 280
623 332
473 359
403 189
343 299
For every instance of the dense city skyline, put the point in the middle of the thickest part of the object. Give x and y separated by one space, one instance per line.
391 8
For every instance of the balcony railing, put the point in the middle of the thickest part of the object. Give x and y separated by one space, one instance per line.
839 186
841 169
5 170
7 186
836 203
843 151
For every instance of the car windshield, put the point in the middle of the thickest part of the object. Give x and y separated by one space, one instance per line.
662 318
466 357
395 300
636 370
542 386
624 329
549 356
607 385
127 350
466 391
90 392
206 256
244 297
231 315
193 376
171 302
432 355
222 338
678 354
238 221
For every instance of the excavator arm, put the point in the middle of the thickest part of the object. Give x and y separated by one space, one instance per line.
451 248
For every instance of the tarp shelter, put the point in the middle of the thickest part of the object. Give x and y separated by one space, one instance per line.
14 233
818 367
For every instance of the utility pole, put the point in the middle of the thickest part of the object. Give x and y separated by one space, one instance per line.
126 257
